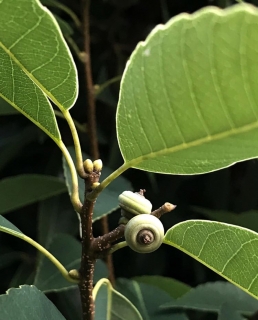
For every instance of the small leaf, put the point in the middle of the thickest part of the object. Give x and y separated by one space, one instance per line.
27 303
68 251
211 297
33 42
171 286
147 300
112 305
229 250
22 190
107 201
189 100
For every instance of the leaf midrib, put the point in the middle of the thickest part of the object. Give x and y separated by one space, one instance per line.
195 143
167 240
38 124
12 56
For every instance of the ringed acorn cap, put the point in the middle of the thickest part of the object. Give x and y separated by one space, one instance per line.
142 226
134 203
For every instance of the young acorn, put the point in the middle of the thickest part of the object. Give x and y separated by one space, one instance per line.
134 203
144 233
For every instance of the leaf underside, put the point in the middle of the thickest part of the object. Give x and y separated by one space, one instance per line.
189 100
24 95
31 37
229 250
35 64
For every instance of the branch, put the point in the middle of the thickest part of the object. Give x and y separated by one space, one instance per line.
91 113
167 207
87 260
104 243
91 107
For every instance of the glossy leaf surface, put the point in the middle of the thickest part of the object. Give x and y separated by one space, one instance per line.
189 99
229 250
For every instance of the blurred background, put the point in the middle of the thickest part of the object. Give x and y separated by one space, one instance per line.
116 28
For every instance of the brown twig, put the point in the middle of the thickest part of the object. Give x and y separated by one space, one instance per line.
91 113
104 243
108 258
87 260
167 207
92 249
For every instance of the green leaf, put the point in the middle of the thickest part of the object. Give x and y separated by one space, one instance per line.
171 286
27 303
227 312
147 300
24 95
246 219
229 250
210 297
189 100
22 190
112 305
107 201
34 44
8 227
56 215
68 251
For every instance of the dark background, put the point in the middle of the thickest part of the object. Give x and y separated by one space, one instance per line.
116 27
